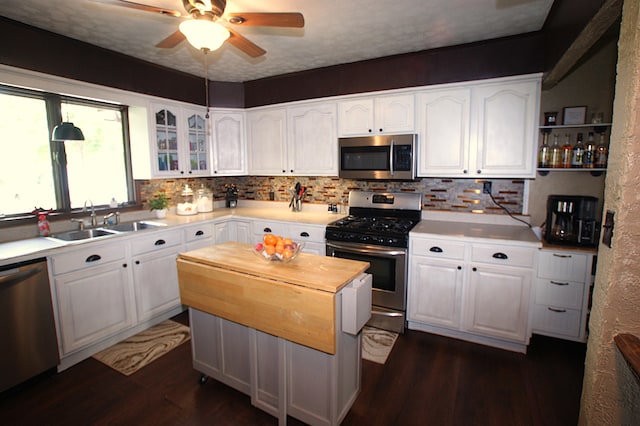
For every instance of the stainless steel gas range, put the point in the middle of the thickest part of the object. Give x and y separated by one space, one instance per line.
377 231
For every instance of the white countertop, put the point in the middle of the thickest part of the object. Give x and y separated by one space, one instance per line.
481 231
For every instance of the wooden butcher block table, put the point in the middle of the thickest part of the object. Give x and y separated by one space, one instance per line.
286 320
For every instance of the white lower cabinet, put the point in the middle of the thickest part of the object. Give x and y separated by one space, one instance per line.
471 291
562 292
233 230
94 295
200 235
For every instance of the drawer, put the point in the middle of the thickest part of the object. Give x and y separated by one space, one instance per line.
562 265
156 241
566 294
87 258
307 233
261 227
503 255
437 248
557 320
200 232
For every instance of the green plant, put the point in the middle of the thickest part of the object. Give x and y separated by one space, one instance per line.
159 201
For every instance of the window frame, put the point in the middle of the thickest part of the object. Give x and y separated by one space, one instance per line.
53 105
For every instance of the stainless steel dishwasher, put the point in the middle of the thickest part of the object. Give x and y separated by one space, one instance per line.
27 327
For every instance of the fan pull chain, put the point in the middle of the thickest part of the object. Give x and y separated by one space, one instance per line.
206 80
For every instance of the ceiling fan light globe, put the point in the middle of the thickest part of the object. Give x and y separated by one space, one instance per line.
204 34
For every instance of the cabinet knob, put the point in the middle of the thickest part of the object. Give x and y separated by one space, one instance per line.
181 172
159 242
215 171
199 233
558 283
435 249
370 130
474 269
556 310
459 268
137 262
124 265
304 234
500 255
465 171
562 255
267 229
93 258
291 170
284 171
380 130
478 171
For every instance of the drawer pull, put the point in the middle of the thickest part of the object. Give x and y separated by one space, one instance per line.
500 256
159 242
562 255
93 258
267 229
304 234
199 233
560 311
435 249
557 283
459 268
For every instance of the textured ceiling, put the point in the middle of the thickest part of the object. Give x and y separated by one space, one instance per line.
335 32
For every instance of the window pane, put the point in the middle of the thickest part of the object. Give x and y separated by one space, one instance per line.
26 176
96 166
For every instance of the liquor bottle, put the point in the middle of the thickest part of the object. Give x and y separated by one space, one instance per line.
578 153
544 153
556 153
602 154
567 153
589 152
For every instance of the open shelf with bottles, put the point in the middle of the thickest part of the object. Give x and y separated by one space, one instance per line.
597 127
543 171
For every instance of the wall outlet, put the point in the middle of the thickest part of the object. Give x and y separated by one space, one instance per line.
486 187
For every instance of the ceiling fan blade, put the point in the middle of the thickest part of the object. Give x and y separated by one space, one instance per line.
172 41
245 44
143 7
292 20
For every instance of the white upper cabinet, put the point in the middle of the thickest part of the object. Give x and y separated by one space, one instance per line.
266 133
443 121
300 140
383 114
479 130
229 143
313 140
180 147
505 128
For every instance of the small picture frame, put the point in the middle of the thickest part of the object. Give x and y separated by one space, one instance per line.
574 115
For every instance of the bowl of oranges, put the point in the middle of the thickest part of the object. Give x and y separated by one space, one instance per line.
278 249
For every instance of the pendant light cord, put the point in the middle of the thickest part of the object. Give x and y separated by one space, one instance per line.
206 80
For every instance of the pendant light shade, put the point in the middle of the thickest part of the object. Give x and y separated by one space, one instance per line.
204 34
66 131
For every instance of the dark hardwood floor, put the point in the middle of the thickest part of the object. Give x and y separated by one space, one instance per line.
427 380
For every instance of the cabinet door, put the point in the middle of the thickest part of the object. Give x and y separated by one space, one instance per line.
155 279
498 302
243 232
312 140
443 125
167 161
355 117
196 143
221 231
395 114
506 118
267 142
93 304
435 292
229 143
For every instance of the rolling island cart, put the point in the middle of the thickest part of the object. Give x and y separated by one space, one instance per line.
288 335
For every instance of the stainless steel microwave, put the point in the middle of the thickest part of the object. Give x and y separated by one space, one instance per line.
378 157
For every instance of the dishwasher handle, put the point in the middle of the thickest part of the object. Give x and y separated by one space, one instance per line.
18 277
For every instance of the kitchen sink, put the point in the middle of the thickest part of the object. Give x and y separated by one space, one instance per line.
134 226
83 234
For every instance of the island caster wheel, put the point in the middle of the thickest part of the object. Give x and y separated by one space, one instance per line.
203 379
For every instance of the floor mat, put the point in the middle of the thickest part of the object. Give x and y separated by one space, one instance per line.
377 344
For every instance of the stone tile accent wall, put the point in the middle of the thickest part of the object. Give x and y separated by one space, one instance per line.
460 195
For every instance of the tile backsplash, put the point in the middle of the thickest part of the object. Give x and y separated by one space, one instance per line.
460 195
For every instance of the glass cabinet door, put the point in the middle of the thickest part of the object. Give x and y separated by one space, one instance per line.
167 141
198 150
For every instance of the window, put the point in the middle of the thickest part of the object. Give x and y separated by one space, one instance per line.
38 172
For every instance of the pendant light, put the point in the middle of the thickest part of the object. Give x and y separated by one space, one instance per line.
66 131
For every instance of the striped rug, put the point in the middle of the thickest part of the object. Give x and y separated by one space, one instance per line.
132 354
377 344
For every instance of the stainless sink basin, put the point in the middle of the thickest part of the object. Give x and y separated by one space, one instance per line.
84 234
134 226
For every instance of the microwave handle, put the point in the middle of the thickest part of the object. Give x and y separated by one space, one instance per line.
391 157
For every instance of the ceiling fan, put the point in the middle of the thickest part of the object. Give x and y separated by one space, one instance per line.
202 27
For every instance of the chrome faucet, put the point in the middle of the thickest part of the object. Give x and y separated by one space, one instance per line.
80 223
105 220
94 219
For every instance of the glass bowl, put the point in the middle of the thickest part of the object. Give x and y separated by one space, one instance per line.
288 254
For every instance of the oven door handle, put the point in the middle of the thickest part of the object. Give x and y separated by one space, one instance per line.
365 250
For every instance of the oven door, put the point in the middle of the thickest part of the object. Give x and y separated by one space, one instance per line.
388 268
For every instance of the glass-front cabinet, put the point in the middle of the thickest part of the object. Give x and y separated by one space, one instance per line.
181 146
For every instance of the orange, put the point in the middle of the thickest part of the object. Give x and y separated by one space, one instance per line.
287 253
287 241
279 247
269 249
269 239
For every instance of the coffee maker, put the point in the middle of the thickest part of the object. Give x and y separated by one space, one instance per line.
571 220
